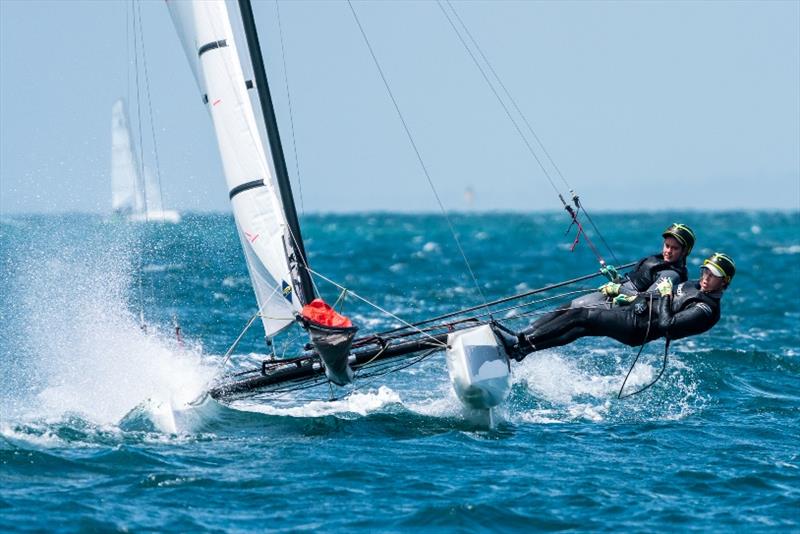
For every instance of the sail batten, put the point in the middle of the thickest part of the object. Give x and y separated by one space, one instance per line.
249 165
245 187
298 261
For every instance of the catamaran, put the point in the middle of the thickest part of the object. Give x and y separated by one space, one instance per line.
229 71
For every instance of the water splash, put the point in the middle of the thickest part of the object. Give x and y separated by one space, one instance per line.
556 388
78 347
356 403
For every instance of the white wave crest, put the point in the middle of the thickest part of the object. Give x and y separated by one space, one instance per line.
360 403
791 249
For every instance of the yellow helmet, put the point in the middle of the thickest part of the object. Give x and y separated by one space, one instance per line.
720 265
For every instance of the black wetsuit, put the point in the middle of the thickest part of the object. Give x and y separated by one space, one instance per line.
689 311
651 269
644 277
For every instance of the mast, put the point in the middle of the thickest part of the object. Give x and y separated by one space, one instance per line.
299 260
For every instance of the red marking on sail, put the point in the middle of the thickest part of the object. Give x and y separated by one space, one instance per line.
250 237
217 101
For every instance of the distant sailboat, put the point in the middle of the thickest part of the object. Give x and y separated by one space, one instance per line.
134 197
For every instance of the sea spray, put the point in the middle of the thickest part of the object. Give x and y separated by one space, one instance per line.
560 386
78 322
712 445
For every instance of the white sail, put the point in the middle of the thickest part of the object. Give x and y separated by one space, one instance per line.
125 180
205 31
154 208
138 200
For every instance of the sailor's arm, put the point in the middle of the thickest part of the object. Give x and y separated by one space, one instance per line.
663 276
629 290
692 320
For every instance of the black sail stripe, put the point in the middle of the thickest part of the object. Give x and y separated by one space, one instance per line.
211 46
245 187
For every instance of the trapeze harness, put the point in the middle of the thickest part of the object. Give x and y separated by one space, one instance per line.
689 312
646 271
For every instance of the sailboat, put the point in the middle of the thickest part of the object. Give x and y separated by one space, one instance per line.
232 80
135 194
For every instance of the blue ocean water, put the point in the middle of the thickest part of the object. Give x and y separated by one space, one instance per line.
94 434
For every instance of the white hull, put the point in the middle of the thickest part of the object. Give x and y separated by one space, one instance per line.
479 368
159 216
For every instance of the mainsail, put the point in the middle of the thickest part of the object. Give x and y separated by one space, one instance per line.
271 241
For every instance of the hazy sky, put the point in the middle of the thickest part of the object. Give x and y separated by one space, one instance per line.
642 105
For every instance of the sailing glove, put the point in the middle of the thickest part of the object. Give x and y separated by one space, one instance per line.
624 300
610 272
664 287
610 289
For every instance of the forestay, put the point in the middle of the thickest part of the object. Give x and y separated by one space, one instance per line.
207 36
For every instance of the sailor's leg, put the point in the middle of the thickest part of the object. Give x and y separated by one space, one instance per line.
569 325
620 324
542 321
592 300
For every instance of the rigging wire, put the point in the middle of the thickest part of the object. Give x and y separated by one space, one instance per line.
291 114
376 373
416 151
503 104
138 185
141 48
387 312
636 359
502 85
128 53
513 102
513 297
149 110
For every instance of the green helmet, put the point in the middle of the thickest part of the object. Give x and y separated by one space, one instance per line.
683 234
720 265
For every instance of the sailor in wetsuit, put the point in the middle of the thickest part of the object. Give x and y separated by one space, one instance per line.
645 276
648 272
692 308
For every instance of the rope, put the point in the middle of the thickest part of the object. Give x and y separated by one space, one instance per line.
513 297
663 366
247 327
596 229
169 285
238 339
389 370
341 299
150 113
356 295
137 184
417 152
500 100
383 349
291 115
513 101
